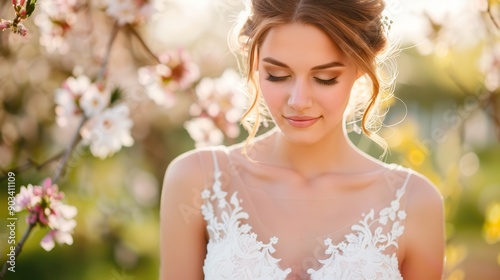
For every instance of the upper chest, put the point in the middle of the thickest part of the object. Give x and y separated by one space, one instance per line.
263 232
299 224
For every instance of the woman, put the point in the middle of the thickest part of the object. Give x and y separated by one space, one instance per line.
302 202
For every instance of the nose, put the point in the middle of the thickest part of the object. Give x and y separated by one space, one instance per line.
300 96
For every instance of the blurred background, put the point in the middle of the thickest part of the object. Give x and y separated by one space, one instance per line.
444 121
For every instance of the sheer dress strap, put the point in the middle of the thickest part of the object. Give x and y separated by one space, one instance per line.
216 163
407 179
209 172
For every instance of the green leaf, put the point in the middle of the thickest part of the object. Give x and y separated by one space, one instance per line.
30 7
116 95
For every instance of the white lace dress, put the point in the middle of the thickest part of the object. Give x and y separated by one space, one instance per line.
234 251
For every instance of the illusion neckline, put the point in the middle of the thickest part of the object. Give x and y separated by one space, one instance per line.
274 239
384 167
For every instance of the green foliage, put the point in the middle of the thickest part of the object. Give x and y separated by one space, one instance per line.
30 7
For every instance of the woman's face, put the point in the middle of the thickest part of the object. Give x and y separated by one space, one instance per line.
305 81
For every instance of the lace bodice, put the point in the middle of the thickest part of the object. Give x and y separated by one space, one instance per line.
234 251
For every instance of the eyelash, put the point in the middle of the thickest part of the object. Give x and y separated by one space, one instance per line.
272 78
329 82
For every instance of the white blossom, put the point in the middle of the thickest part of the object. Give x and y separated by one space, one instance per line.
129 11
68 96
108 132
94 101
204 132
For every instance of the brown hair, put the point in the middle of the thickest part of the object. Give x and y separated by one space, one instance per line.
356 26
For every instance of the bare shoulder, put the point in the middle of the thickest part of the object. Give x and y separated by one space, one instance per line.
189 169
185 178
422 196
182 226
422 193
424 237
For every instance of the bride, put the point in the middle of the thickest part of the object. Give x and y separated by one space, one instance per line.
301 201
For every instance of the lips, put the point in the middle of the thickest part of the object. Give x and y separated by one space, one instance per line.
301 121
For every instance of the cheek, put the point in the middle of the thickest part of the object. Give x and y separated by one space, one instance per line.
273 103
336 99
274 95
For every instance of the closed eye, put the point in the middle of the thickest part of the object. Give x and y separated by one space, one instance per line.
272 78
326 82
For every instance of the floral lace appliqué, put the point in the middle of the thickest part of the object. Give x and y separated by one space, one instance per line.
233 251
361 255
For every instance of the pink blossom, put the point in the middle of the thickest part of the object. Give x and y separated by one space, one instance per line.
55 19
61 225
151 79
183 71
26 198
18 2
21 29
175 72
45 208
222 100
61 237
38 200
4 24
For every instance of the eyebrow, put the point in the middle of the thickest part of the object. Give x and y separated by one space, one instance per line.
319 67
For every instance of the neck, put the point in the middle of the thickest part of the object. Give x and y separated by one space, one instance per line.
334 153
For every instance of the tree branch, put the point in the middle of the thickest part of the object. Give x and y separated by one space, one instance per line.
488 11
143 44
31 163
105 61
19 247
69 149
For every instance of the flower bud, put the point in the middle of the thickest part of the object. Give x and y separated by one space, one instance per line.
21 29
5 24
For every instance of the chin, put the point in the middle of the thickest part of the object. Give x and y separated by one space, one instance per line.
307 136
